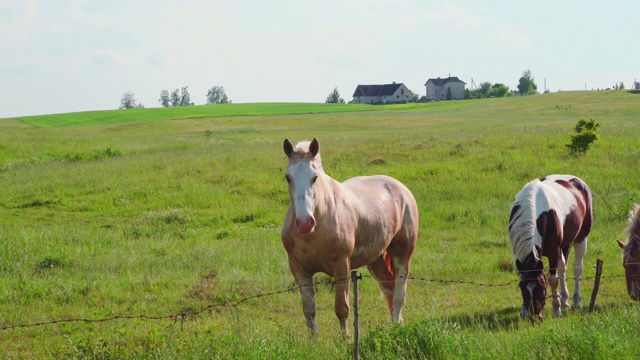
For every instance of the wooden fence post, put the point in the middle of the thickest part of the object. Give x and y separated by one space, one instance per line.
596 285
356 327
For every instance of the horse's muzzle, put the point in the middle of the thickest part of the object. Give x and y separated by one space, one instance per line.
306 225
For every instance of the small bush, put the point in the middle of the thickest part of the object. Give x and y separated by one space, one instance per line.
585 136
96 154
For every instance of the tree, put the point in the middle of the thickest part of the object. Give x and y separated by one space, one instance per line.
526 85
164 100
415 96
484 88
175 98
449 96
216 95
499 90
185 98
128 101
334 97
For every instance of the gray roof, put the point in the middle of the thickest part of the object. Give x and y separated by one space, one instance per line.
376 90
440 81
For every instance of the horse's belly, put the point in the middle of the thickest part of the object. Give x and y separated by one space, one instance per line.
365 255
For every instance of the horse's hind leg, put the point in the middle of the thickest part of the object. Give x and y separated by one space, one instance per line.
580 251
385 279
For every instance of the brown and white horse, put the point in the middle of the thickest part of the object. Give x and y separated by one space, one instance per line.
548 216
333 227
631 254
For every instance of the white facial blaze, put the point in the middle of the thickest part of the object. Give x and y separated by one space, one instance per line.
530 287
301 183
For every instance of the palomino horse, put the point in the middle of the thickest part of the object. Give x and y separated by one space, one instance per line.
631 254
333 227
548 216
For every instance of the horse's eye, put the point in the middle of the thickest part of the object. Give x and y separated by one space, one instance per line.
313 181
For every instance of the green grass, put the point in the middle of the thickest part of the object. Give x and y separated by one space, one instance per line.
107 117
169 211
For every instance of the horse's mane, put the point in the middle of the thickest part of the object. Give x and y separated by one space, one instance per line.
302 148
522 226
633 231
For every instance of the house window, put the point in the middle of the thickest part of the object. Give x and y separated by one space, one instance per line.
401 91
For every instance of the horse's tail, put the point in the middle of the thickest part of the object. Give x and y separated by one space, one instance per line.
389 263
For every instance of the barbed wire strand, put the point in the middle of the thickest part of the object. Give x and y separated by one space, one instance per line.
183 315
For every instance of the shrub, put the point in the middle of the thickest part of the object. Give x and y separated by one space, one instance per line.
585 135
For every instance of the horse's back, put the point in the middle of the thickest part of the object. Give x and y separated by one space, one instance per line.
384 194
380 188
570 197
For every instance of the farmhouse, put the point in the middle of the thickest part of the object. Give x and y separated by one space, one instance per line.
437 88
382 94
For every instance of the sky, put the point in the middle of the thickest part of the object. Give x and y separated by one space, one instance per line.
59 56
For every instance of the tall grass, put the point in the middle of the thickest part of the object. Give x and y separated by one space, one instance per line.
169 216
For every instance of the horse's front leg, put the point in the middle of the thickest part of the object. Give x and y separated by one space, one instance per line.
308 303
341 277
305 285
553 283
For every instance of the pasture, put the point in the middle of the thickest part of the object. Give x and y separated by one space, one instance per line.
149 215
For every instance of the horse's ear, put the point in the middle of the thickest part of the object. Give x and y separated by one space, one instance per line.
314 147
621 244
288 147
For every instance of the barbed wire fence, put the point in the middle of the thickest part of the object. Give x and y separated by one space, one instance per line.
181 316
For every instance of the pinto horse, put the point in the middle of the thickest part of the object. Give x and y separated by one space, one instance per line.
548 216
631 254
333 227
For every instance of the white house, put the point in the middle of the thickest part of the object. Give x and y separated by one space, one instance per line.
437 88
382 94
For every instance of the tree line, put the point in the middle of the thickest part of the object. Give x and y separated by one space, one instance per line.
526 86
217 95
178 97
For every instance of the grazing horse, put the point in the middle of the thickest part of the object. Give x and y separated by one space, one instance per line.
548 216
333 227
631 254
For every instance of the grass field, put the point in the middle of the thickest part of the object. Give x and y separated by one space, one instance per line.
136 216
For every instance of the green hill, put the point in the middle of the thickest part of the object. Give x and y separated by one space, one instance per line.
155 233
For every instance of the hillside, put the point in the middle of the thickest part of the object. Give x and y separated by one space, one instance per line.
155 233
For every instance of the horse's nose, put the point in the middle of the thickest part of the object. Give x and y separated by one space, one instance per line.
305 225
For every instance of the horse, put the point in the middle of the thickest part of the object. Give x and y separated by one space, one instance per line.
548 216
631 254
333 227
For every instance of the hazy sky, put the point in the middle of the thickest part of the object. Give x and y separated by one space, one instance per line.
72 55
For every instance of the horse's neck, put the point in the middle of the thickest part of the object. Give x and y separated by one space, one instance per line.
326 196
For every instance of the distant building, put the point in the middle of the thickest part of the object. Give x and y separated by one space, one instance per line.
437 88
636 85
382 94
